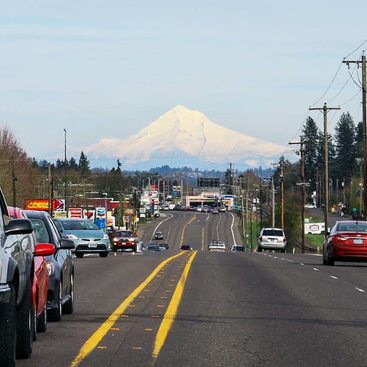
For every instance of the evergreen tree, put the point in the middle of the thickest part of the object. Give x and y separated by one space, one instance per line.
118 170
59 164
345 146
84 165
311 138
73 164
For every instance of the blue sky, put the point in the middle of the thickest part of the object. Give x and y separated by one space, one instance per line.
109 68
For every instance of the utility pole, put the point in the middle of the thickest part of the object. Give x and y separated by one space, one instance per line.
282 194
65 170
272 202
325 109
51 190
303 184
14 180
362 63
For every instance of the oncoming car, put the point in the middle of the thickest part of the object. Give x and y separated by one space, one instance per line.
347 242
271 239
124 240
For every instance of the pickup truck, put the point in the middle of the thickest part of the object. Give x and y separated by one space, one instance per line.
16 273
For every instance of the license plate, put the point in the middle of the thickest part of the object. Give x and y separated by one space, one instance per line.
358 241
92 245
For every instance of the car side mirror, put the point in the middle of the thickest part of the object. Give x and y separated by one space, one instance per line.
66 244
44 249
19 226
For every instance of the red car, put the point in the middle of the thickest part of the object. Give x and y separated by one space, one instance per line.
347 242
124 240
41 277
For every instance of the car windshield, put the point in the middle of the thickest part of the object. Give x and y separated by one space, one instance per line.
273 232
79 225
41 231
352 227
124 234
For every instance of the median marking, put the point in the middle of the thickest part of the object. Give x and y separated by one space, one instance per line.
170 315
100 333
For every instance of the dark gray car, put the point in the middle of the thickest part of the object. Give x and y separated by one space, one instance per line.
16 272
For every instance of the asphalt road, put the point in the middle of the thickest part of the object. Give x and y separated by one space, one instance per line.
209 309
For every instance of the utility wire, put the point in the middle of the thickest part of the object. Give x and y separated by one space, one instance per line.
365 41
329 86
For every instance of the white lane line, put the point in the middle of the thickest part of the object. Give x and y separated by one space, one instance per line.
234 240
359 290
151 239
282 258
316 269
334 277
301 264
275 257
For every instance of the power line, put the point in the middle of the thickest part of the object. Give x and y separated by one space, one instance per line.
365 41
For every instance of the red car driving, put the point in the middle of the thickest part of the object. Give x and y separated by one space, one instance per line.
347 241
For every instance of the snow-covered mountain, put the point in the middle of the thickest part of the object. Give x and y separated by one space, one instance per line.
184 135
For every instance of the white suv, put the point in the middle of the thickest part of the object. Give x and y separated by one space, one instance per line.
271 238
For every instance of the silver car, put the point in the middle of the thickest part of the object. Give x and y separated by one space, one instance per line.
272 239
87 237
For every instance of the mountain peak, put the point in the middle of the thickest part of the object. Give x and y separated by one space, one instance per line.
188 134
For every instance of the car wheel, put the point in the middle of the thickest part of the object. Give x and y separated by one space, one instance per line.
324 262
259 249
330 260
68 307
42 321
79 255
103 254
56 313
8 331
25 325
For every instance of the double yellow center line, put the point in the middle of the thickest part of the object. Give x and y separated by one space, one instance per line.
168 319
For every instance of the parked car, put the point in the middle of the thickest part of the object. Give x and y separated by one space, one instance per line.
87 237
40 278
272 239
124 240
218 246
16 273
158 236
347 242
60 266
